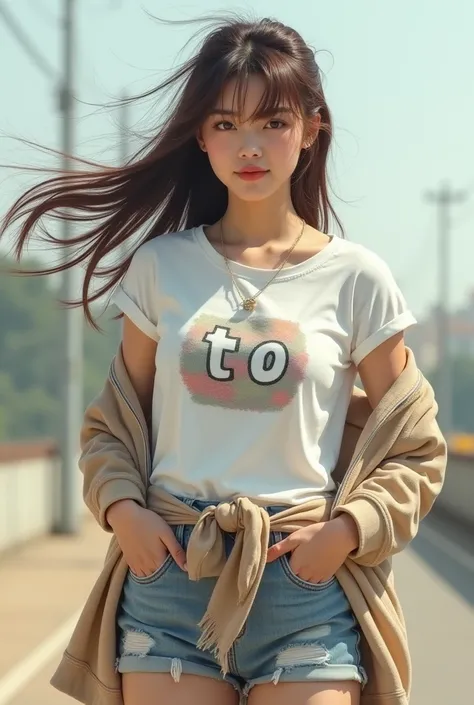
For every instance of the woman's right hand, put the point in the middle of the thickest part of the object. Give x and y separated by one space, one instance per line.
144 537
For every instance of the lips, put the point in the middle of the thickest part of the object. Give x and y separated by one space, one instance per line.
251 173
252 170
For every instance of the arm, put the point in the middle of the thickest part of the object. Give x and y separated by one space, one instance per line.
139 353
382 367
107 465
388 506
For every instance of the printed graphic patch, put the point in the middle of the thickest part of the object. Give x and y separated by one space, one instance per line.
255 364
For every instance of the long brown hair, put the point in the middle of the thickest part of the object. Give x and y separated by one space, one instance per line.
169 184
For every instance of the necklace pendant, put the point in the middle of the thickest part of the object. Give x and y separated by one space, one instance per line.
249 304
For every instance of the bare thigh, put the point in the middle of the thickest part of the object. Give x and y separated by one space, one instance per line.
161 689
314 693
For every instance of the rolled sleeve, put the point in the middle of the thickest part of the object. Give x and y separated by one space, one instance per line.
397 325
379 307
138 296
128 306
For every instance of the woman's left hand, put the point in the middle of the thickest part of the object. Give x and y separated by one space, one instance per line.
319 550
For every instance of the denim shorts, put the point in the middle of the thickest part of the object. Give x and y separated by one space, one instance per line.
296 631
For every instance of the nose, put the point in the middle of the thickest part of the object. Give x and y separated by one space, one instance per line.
250 150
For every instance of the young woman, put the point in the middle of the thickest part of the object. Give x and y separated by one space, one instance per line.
245 325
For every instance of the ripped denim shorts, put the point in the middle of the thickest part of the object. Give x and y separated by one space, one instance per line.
296 631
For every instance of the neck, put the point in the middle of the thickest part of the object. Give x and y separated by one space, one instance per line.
250 223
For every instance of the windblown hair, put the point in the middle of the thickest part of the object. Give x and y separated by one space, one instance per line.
169 184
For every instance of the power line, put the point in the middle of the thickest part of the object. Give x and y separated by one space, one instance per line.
46 14
20 35
14 26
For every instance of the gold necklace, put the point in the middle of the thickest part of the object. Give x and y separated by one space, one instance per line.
250 303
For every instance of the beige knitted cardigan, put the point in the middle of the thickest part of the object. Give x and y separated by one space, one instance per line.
390 470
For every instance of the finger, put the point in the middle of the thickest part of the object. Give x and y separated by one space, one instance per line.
296 567
308 578
155 566
305 574
324 579
175 549
137 572
145 570
280 548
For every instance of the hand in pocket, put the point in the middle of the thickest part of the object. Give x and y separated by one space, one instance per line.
145 538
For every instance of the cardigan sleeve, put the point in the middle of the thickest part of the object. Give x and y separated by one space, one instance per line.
389 504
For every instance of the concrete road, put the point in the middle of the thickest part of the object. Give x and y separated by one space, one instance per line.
43 585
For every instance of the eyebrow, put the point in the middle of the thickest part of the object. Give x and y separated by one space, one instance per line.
223 111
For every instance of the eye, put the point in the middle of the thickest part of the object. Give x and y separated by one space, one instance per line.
223 126
276 124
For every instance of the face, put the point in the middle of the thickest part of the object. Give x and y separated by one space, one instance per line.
237 145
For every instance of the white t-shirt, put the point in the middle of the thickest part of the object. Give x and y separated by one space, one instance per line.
254 403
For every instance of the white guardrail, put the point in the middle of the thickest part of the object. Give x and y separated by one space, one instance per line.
29 491
30 481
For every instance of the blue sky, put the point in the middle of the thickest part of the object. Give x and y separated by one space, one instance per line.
398 77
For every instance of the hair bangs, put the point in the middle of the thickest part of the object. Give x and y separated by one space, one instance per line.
282 89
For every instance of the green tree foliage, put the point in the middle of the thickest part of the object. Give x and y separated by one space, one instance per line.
30 357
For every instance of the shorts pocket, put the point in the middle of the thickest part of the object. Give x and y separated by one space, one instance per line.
161 571
295 579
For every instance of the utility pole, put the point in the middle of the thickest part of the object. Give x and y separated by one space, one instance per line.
444 199
71 370
123 128
124 144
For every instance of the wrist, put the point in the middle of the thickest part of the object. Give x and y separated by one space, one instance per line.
120 509
350 530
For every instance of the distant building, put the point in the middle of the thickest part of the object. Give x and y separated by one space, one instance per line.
422 339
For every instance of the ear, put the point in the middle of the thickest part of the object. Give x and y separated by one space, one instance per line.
312 131
200 141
